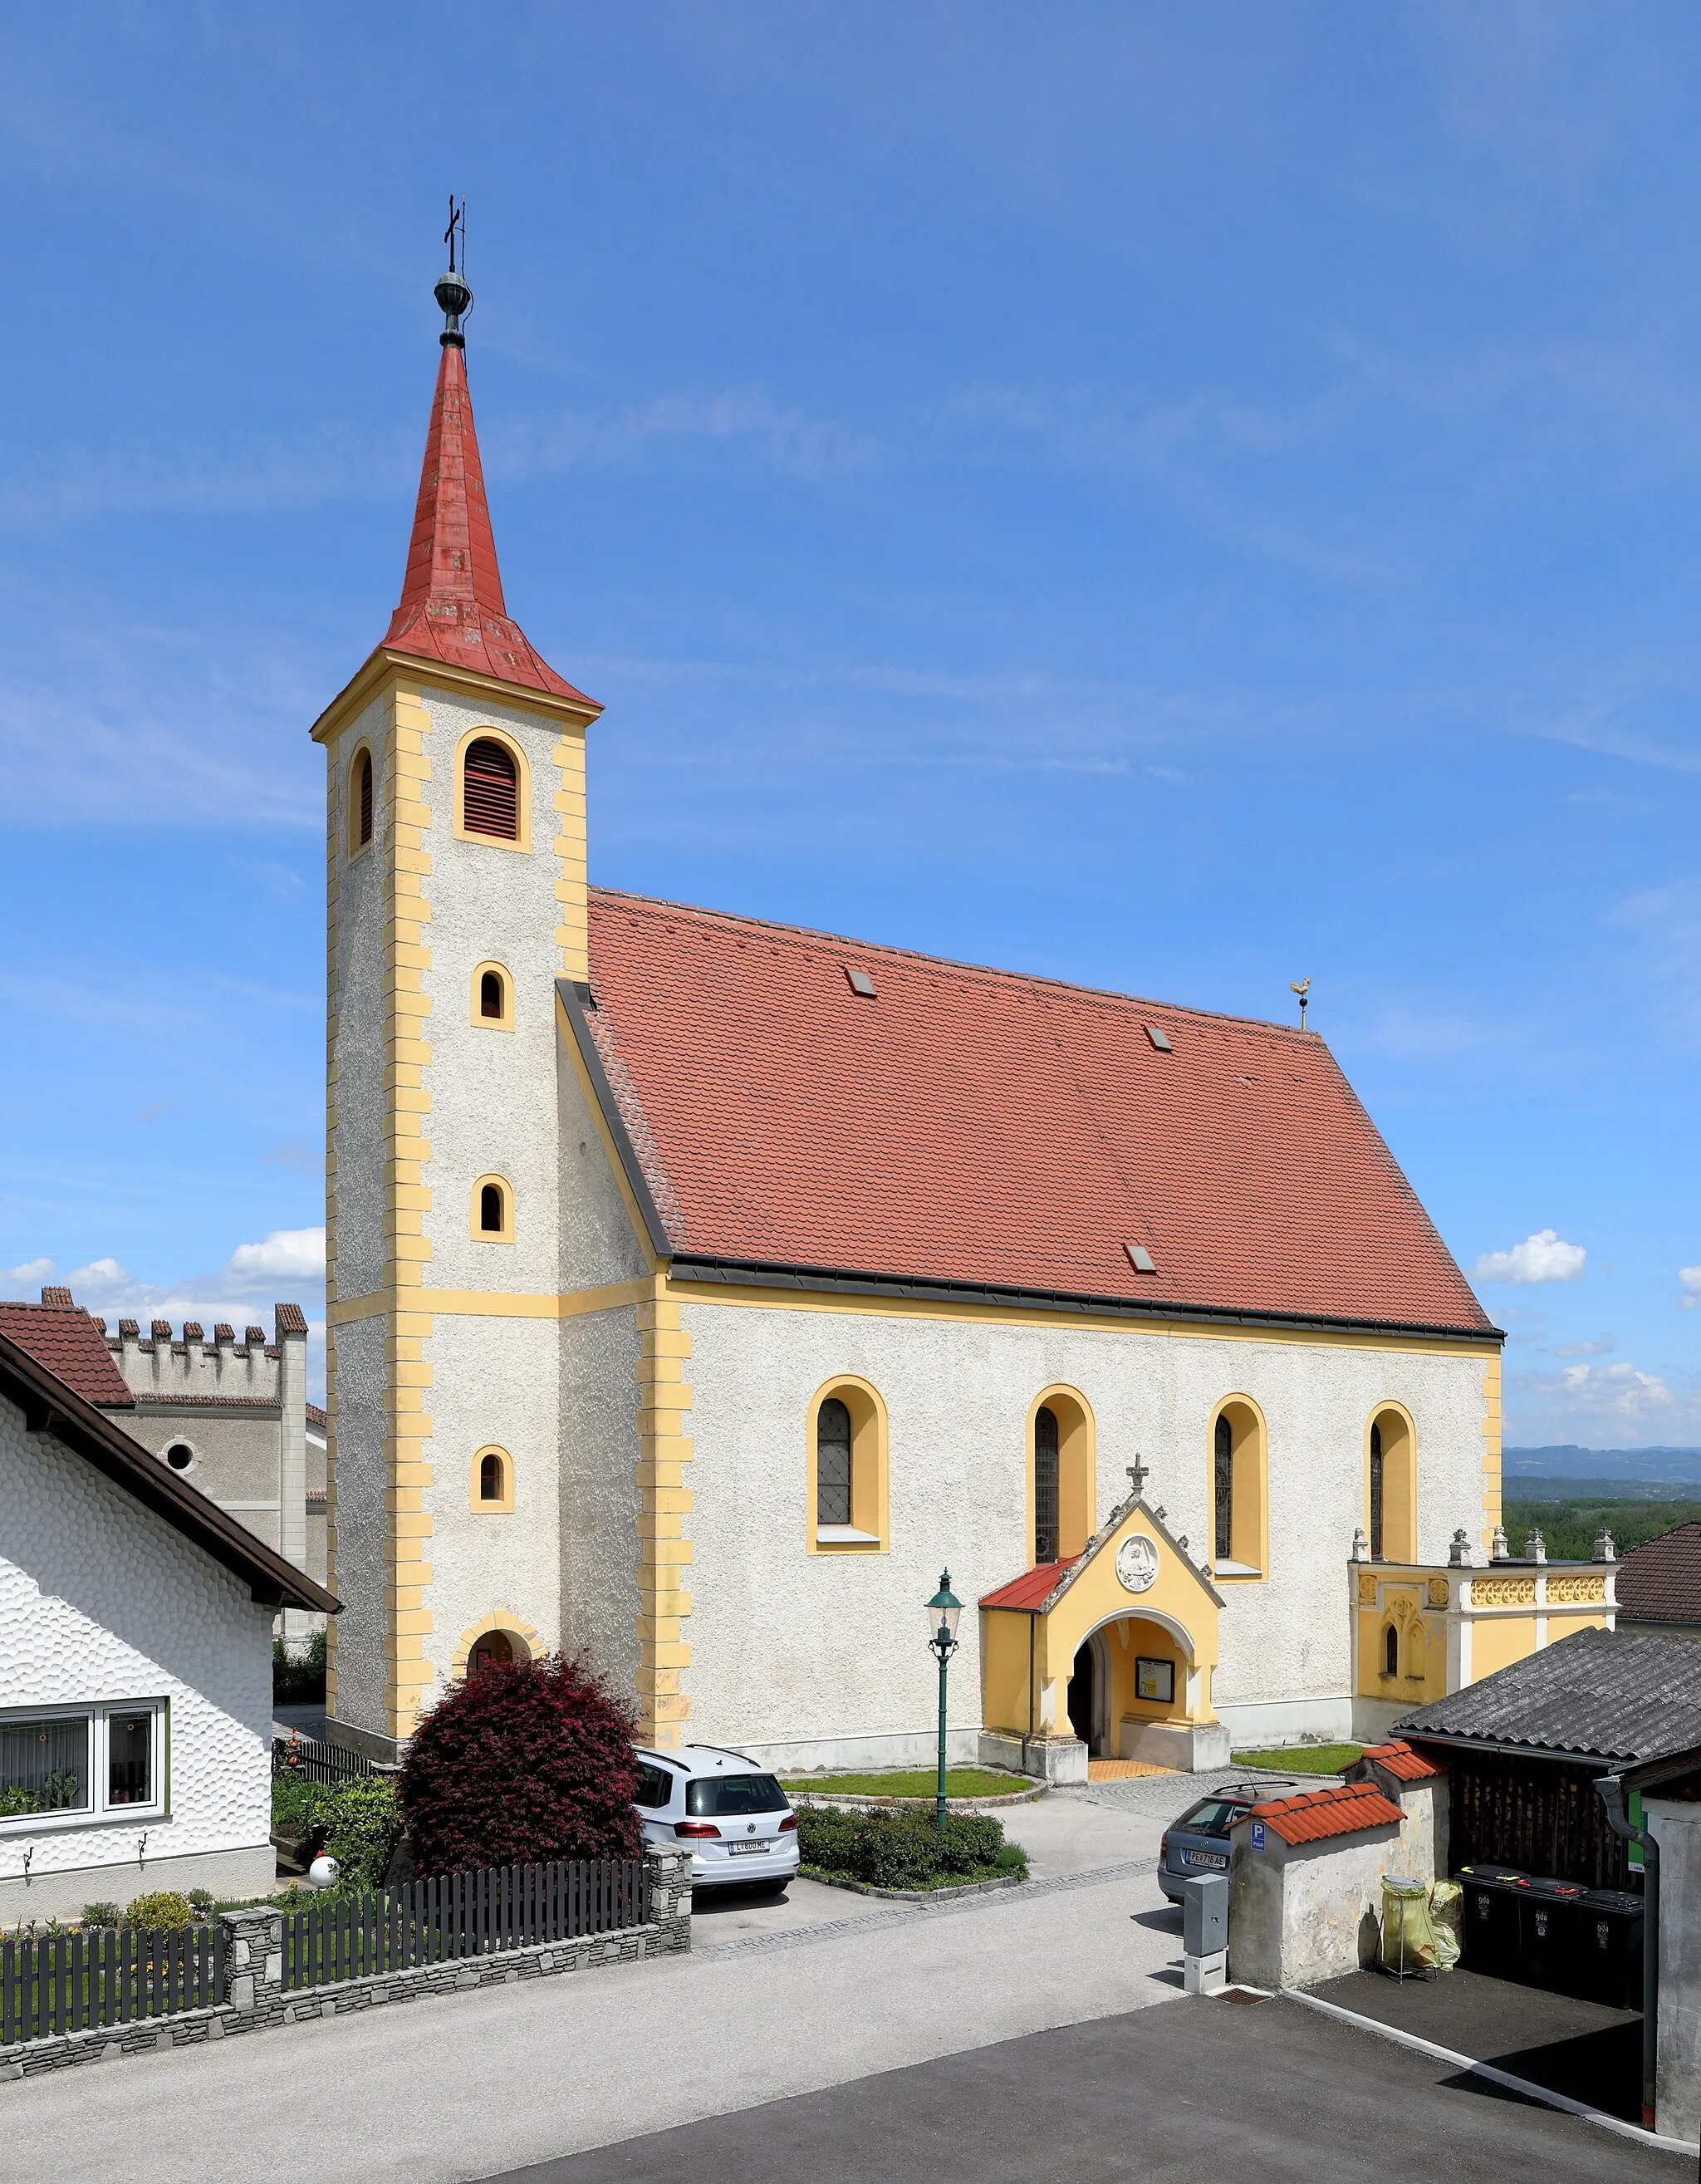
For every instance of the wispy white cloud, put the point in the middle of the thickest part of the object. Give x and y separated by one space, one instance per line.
32 1271
1542 1257
1690 1277
1599 1347
286 1255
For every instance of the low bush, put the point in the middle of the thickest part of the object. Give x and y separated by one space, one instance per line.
526 1761
298 1679
100 1915
359 1822
906 1849
164 1910
203 1901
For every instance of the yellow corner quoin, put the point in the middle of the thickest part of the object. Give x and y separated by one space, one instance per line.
663 1403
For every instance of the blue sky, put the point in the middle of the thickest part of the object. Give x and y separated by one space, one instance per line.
1179 499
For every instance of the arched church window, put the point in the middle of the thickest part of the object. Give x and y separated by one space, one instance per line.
833 1462
362 814
1391 1651
1224 1489
1045 1484
1392 1486
490 790
1376 1491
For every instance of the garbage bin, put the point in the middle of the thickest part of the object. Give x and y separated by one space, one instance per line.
1611 1954
1550 1934
1490 1919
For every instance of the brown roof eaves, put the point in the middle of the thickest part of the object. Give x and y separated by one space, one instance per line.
50 1406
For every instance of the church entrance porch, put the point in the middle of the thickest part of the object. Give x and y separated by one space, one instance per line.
1108 1657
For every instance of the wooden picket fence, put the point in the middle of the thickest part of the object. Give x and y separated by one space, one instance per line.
460 1914
105 1975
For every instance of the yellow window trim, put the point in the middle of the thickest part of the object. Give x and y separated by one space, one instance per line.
870 1499
1249 1516
479 1020
1077 1468
1400 1509
516 751
481 1235
522 1636
503 1504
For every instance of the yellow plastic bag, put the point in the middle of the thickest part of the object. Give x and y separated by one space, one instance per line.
1408 1937
1447 1921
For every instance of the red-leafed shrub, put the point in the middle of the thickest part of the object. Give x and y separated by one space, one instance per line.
524 1762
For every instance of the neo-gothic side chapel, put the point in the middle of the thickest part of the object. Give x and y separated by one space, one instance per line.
699 1287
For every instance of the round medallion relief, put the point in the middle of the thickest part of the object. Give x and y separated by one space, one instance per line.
1136 1564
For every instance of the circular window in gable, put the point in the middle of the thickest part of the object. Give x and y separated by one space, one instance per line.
179 1456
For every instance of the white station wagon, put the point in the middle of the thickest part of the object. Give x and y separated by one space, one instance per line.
737 1821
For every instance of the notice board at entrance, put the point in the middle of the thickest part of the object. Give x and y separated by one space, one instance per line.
1154 1679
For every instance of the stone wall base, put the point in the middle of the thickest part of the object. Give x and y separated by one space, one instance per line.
1048 1758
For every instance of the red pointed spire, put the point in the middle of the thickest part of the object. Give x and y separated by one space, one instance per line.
452 607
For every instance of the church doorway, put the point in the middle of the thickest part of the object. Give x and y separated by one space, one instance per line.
1081 1695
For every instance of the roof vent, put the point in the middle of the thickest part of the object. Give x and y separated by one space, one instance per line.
860 983
1159 1040
1140 1259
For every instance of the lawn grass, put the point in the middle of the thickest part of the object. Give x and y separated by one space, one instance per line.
1304 1758
959 1782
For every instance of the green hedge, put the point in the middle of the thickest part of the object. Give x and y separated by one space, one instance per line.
358 1819
906 1850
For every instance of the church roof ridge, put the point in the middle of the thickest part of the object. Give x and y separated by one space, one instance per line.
451 608
1110 996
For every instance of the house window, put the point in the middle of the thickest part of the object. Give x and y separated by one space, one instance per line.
1392 1486
832 1463
493 1211
1225 1489
1239 1491
490 791
847 1469
1045 1484
362 799
66 1764
1391 1651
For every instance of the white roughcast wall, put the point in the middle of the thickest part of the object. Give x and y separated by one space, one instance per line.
787 1647
101 1600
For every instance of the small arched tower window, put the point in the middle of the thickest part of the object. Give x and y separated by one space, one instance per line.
1376 1491
1045 1484
1224 1491
490 995
1391 1651
362 799
495 1650
492 1482
833 1462
491 1209
490 791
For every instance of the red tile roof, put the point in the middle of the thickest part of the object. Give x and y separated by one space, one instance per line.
1315 1814
1660 1580
1030 1590
63 1338
452 607
984 1127
1399 1760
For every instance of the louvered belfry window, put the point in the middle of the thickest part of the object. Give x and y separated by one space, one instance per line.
363 789
490 794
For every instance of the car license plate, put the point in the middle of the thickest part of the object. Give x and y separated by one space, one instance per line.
1215 1859
744 1849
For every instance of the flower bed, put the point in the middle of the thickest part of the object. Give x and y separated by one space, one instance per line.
907 1849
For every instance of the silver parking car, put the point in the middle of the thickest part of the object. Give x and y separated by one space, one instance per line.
1198 1841
737 1821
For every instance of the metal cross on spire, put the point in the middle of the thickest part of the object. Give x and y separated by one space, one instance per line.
457 229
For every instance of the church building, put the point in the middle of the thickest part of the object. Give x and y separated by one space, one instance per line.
700 1288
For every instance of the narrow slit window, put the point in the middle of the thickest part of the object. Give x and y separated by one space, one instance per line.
1376 1493
490 791
490 1209
1045 1484
833 1462
1225 1489
1391 1651
490 996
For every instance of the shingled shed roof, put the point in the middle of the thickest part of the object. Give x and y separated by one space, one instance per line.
1660 1580
1619 1696
801 1102
1345 1809
71 1345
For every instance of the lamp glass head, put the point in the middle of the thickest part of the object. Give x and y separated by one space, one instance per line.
943 1609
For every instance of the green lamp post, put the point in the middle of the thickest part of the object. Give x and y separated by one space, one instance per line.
942 1611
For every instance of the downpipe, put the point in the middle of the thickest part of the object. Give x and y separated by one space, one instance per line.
1611 1789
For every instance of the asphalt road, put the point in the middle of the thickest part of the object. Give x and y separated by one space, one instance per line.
1198 2090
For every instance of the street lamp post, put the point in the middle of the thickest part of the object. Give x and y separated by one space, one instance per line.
942 1611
